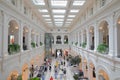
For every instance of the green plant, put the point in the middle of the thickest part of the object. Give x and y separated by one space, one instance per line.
72 42
12 48
19 77
102 48
76 76
35 78
41 43
66 42
33 44
75 60
84 44
76 43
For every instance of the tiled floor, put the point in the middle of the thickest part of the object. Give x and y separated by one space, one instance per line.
69 75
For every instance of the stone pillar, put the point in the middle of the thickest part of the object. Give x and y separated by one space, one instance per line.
29 39
5 34
62 39
88 39
96 36
54 39
20 39
38 40
78 40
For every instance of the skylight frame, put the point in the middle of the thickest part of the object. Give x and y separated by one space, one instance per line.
56 19
60 3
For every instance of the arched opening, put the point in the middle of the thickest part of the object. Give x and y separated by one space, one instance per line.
103 75
118 37
65 39
92 71
91 36
13 37
13 75
25 72
25 38
85 68
58 40
104 35
84 39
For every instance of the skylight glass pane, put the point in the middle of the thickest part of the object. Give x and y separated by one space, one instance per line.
59 11
78 3
58 16
74 11
49 22
71 15
48 19
58 19
69 19
46 15
61 3
43 10
68 22
58 24
39 2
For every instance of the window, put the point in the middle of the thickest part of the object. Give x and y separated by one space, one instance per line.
13 2
102 3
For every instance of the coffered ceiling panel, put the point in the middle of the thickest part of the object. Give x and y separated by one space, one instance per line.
59 13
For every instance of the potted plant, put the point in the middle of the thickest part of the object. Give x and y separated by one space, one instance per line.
102 48
84 44
33 44
19 77
13 48
35 78
41 43
76 76
76 43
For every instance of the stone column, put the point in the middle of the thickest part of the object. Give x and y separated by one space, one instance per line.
20 39
78 39
96 35
5 34
88 39
29 39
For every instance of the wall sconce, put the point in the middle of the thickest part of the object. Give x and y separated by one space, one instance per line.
16 27
118 21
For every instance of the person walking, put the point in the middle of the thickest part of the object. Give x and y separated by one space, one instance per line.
51 78
43 76
49 67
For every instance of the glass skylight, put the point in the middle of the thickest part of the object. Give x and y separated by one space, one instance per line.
71 15
69 19
59 25
46 15
59 16
43 10
78 3
48 19
59 11
39 2
49 22
61 3
74 11
58 19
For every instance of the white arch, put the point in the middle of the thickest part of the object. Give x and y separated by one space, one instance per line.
91 60
104 68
